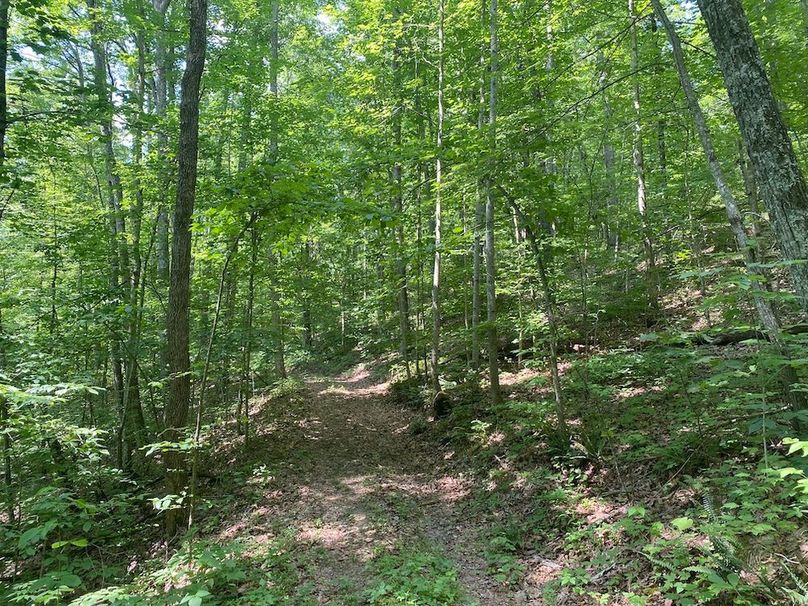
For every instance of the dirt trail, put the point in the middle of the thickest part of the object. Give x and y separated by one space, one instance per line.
347 477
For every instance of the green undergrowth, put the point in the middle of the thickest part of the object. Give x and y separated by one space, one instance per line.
415 576
677 476
210 573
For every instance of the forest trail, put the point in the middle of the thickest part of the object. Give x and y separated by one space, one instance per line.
344 476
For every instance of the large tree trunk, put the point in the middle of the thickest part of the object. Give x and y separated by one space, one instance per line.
490 264
179 293
766 312
778 175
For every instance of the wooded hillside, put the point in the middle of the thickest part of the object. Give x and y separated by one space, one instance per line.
404 302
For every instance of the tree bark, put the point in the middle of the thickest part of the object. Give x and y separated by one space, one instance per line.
136 425
436 317
161 67
131 430
771 154
639 168
549 310
612 200
490 202
479 221
279 353
179 294
274 49
4 14
765 311
247 374
398 208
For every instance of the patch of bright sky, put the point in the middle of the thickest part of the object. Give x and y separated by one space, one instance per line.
328 24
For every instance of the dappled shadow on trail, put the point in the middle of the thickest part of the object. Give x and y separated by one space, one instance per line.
339 468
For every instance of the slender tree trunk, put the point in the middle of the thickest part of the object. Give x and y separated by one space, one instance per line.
136 425
203 383
549 308
639 168
161 68
4 14
476 278
479 213
279 354
179 294
398 208
246 126
490 202
424 193
436 319
247 389
766 312
130 411
612 200
274 48
419 237
771 154
308 329
7 472
751 192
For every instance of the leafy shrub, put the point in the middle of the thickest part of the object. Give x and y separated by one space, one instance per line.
287 388
409 393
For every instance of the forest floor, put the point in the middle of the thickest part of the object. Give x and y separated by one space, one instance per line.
338 472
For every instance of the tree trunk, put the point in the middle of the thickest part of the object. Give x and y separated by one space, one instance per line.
279 354
131 430
479 222
274 48
4 13
161 67
179 294
308 328
639 168
549 311
766 312
774 164
436 319
612 200
247 387
398 208
7 472
490 262
136 425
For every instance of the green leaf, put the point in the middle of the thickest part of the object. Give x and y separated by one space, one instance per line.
682 524
75 542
